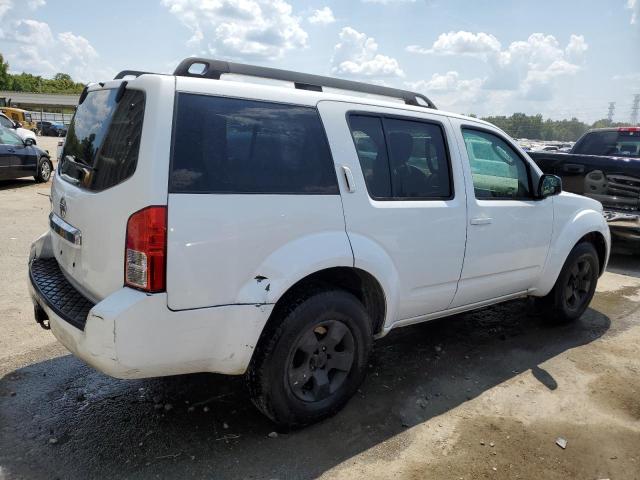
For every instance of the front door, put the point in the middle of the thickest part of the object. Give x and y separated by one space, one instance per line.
509 231
404 202
11 148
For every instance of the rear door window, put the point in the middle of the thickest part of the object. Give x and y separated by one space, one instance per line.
227 145
402 158
101 148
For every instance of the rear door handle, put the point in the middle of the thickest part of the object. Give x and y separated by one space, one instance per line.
481 221
348 176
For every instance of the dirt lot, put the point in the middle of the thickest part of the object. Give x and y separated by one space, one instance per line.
481 395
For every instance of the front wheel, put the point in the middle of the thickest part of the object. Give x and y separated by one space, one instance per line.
575 285
44 170
312 359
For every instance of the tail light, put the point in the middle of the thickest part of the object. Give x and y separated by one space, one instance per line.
146 250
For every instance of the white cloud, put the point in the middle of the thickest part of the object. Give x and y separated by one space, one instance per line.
262 29
634 6
33 48
576 48
388 2
526 67
451 92
357 55
34 4
31 32
324 16
5 6
461 43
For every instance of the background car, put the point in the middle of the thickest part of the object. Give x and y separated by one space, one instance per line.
51 129
22 158
23 133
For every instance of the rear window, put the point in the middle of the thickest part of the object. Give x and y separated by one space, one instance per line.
101 148
612 143
227 145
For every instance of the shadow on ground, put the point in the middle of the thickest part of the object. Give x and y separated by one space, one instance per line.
622 261
17 183
204 425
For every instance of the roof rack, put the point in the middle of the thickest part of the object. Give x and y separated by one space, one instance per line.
213 69
129 73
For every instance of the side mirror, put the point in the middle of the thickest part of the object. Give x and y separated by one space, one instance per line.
29 142
549 185
18 125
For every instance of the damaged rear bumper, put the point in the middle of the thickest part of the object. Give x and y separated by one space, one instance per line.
132 334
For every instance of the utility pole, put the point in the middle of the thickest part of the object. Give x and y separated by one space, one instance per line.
635 108
612 110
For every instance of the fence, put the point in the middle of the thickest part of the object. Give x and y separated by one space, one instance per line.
39 116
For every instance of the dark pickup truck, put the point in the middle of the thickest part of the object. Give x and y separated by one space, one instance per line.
604 164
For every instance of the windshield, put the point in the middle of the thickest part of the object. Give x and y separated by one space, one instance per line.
611 143
101 149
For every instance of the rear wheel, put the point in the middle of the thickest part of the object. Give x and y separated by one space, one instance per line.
575 285
312 360
44 170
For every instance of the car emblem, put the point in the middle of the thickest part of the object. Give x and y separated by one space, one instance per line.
63 207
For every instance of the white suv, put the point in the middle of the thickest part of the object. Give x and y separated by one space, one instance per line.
202 224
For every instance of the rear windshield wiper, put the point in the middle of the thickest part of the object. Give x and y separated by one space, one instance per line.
81 165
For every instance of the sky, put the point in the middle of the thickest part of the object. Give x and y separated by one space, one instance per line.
560 58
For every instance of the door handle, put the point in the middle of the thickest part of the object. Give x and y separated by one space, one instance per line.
348 176
481 221
573 168
10 150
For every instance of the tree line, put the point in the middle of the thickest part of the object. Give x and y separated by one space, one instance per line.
25 82
534 127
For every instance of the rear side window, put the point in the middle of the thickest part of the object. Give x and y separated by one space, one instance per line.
227 145
402 159
102 144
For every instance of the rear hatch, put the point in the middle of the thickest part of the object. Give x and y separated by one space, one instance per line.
114 163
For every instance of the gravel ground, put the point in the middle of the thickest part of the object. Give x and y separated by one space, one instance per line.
480 395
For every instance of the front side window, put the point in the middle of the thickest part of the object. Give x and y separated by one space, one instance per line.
498 171
401 159
228 145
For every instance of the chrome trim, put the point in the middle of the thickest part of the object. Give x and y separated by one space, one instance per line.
65 230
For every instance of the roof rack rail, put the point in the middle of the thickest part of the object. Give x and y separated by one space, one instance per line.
129 73
213 69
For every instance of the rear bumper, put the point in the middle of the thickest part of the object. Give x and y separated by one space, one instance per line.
624 226
131 334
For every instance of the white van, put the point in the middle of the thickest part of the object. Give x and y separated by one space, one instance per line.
208 224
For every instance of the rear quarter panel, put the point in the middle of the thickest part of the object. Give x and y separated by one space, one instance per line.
238 248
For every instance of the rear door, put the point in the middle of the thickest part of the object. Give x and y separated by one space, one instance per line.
404 201
509 231
116 160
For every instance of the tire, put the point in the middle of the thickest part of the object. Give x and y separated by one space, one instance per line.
311 359
45 167
574 287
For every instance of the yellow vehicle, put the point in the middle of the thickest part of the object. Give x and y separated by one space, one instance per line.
20 115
